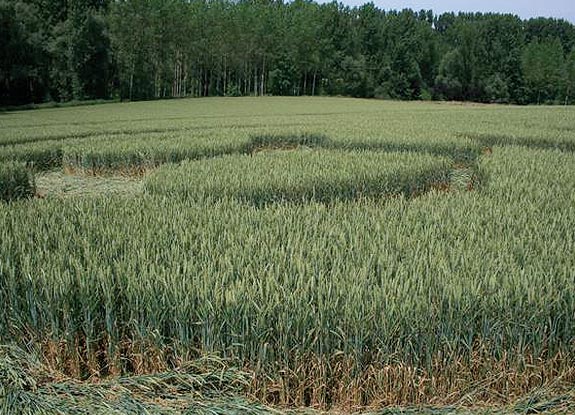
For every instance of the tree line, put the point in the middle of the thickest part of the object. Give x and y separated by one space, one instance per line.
62 50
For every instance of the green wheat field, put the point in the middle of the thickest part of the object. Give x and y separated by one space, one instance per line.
272 255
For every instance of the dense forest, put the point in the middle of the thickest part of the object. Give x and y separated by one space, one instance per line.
62 50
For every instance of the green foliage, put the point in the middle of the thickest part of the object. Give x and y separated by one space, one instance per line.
544 70
16 181
497 90
23 58
448 83
570 69
138 50
81 63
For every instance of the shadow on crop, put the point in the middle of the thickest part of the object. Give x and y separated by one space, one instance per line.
487 141
352 190
458 153
268 142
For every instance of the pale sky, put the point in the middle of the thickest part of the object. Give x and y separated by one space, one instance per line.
524 8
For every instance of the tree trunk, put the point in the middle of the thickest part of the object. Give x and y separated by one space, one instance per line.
313 83
262 89
157 86
175 80
225 76
131 82
249 80
185 80
539 97
201 82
